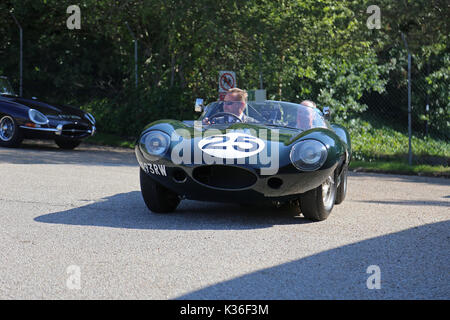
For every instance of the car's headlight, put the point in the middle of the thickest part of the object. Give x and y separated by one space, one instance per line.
37 117
155 143
308 155
90 117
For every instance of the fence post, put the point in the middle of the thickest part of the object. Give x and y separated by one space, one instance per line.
409 101
21 53
409 109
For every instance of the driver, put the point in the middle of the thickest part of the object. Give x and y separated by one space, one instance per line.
235 102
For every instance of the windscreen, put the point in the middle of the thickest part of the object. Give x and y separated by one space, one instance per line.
5 87
275 113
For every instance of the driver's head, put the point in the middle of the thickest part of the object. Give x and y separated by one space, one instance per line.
235 101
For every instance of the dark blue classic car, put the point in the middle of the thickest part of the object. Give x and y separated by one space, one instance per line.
22 118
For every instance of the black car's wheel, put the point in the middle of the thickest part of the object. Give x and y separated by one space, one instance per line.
157 198
317 204
342 189
67 144
10 134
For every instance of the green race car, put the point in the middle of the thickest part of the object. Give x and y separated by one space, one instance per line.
276 152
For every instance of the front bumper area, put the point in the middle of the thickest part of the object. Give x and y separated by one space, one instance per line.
252 187
67 130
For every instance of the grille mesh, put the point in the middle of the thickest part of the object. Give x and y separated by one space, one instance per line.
224 177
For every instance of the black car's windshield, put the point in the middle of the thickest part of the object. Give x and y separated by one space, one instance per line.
270 113
5 87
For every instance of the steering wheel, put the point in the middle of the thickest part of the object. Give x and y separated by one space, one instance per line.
221 114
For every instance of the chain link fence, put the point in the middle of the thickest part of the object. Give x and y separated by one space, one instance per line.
382 131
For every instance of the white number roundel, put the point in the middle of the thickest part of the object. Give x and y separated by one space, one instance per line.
232 145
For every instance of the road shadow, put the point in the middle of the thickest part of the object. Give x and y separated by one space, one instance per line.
414 264
43 152
128 210
408 202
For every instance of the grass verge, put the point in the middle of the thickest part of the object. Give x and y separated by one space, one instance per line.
398 167
112 140
382 143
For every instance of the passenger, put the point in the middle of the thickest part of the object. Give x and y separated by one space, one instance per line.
308 103
305 116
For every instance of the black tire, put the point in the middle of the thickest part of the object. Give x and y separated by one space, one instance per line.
314 206
10 133
67 144
157 198
341 191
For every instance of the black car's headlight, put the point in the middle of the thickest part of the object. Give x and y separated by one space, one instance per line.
37 117
90 117
155 143
308 155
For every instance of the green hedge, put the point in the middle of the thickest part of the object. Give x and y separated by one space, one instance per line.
371 143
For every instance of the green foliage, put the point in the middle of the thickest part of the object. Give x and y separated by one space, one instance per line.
370 143
303 49
128 113
424 25
438 88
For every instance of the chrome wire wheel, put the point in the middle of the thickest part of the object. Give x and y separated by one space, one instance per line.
316 204
328 193
7 128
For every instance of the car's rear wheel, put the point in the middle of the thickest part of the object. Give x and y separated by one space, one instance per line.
67 144
317 204
342 189
157 198
10 134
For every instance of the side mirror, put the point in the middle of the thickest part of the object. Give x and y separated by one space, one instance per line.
327 113
198 105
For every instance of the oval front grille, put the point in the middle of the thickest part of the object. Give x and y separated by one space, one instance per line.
224 177
75 130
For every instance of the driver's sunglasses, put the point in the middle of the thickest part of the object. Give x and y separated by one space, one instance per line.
230 103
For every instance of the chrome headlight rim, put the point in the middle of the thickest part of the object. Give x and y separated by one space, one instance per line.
33 114
298 156
154 139
90 117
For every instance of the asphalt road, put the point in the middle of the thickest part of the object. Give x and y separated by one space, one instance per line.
74 226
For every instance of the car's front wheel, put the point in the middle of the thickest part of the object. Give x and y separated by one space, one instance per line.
317 203
67 144
157 198
10 134
341 191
